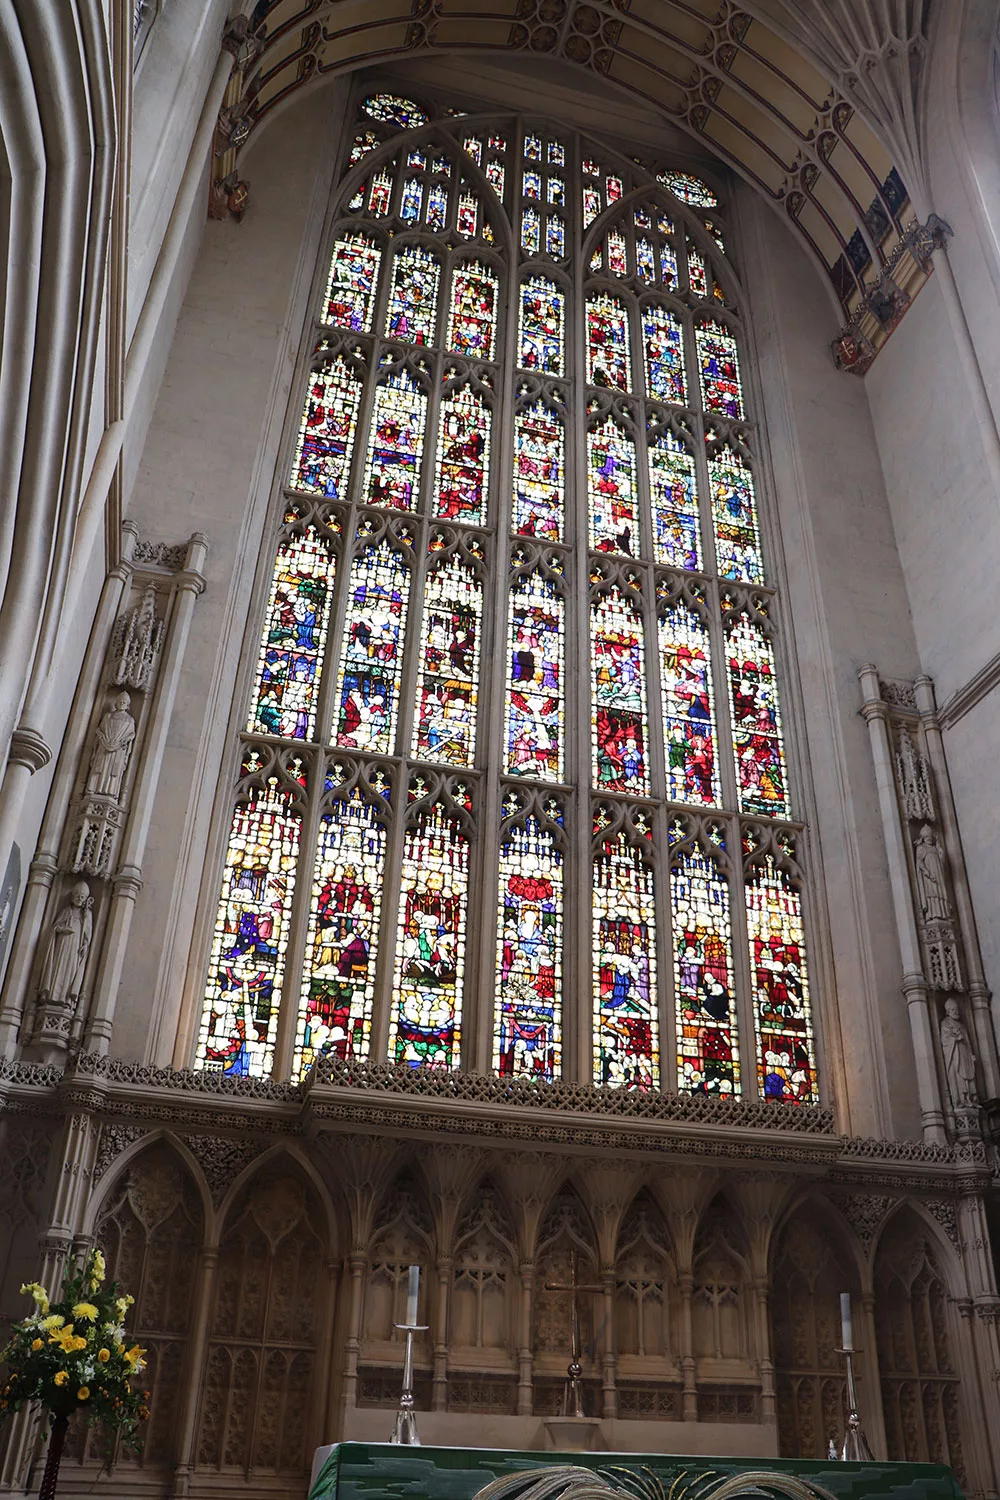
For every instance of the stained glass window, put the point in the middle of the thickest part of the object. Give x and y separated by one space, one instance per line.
463 464
528 1031
445 722
688 707
707 1044
753 698
371 665
618 715
291 648
539 462
734 513
626 1048
614 521
326 436
338 982
426 1025
786 1064
247 967
536 646
422 605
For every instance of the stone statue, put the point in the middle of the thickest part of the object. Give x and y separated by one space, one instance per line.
113 746
932 888
959 1063
67 948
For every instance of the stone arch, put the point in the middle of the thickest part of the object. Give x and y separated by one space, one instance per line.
110 1178
260 1395
811 1263
921 1392
647 1313
482 1306
721 1304
566 1236
402 1236
333 1221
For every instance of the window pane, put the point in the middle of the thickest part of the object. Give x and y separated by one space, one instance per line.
463 464
734 512
528 1036
785 1061
608 359
352 283
541 327
674 498
626 1050
539 460
707 1048
688 707
620 761
473 320
757 741
535 692
294 637
396 445
413 294
322 460
447 695
374 631
719 365
614 520
663 348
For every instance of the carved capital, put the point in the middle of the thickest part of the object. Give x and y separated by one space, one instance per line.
27 748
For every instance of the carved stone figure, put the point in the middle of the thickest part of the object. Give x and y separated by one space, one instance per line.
112 748
67 948
959 1063
932 888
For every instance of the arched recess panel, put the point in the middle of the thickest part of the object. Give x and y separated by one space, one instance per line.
565 1241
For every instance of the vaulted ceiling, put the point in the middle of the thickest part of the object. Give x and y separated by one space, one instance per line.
813 101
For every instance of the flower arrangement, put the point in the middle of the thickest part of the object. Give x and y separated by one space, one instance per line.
73 1355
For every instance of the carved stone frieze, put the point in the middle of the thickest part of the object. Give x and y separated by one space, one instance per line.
222 1160
914 778
136 644
115 1139
944 1211
865 1213
170 558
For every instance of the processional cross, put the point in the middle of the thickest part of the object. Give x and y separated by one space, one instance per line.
573 1394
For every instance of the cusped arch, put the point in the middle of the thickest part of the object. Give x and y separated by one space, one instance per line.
110 1178
334 1223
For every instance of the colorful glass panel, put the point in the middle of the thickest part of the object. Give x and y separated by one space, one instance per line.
371 665
674 497
556 154
688 189
626 1050
364 141
532 148
413 294
645 261
591 205
392 109
425 1029
786 1064
447 691
531 229
352 282
539 460
608 361
379 195
757 740
473 146
535 684
668 265
495 176
338 979
708 1059
531 186
555 191
527 1035
463 463
437 207
415 159
396 444
555 237
613 188
689 732
322 459
620 753
467 220
697 272
663 351
473 320
617 261
412 200
540 334
614 520
719 365
294 637
734 513
246 970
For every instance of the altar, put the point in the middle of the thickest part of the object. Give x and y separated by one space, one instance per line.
381 1471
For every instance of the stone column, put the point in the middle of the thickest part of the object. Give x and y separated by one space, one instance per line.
439 1333
765 1364
525 1363
356 1262
689 1396
914 986
609 1360
194 1372
127 883
870 1394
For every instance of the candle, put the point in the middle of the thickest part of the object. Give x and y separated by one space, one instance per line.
845 1321
411 1297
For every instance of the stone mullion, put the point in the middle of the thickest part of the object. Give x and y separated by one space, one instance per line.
609 1360
439 1333
689 1395
194 1369
356 1263
525 1359
870 1393
765 1363
324 1356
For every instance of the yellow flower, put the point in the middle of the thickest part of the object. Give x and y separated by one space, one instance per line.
39 1293
134 1356
62 1336
103 1355
36 1343
54 1320
97 1269
83 1394
60 1377
85 1310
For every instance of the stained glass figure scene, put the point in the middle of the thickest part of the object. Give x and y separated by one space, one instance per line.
756 719
247 965
352 282
444 726
535 645
425 1028
391 109
786 1065
608 358
719 365
539 460
689 189
618 714
396 444
322 459
673 496
528 1030
472 320
734 514
698 279
707 1047
626 1051
413 291
611 486
688 707
663 350
291 647
374 629
540 334
463 457
338 980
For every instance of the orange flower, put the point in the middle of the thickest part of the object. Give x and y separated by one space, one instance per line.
36 1343
60 1377
83 1394
103 1355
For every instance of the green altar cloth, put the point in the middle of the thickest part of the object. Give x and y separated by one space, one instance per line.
379 1471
